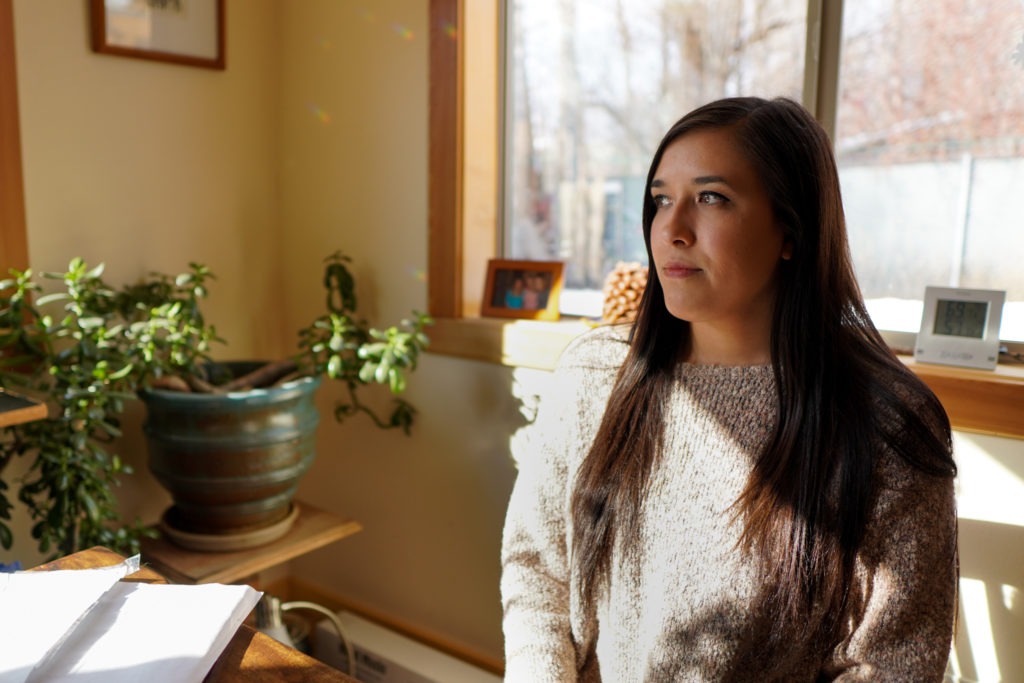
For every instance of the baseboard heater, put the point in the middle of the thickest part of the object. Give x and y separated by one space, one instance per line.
384 656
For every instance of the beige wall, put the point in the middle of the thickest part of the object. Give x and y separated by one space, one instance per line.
146 166
315 139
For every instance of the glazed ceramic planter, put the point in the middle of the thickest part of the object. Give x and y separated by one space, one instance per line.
231 462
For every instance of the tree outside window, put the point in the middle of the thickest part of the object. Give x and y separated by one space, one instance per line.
930 131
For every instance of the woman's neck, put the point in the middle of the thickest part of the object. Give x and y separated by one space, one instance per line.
710 345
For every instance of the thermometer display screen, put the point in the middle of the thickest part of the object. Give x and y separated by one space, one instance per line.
960 318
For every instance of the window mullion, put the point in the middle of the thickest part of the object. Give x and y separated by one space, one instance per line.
821 65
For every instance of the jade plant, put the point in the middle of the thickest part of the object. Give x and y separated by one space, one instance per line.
87 348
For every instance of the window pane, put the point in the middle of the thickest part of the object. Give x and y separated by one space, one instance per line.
592 85
930 144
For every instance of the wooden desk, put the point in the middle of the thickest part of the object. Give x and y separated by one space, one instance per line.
250 657
313 529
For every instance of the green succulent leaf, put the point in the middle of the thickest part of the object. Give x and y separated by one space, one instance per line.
367 373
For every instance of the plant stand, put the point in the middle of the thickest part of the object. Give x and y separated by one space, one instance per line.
313 528
15 409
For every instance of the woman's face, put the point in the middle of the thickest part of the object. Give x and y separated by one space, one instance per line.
714 238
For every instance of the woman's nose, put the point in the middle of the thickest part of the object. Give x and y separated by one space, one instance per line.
677 227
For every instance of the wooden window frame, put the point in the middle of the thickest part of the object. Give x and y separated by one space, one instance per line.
463 217
444 294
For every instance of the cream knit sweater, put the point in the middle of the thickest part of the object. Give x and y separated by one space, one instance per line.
683 608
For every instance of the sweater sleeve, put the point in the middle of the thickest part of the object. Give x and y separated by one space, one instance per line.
536 585
908 574
535 574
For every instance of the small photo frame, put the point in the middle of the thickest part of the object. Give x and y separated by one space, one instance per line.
189 32
522 289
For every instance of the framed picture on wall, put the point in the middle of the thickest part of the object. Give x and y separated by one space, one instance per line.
187 32
522 289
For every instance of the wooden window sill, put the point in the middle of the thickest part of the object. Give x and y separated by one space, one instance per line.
517 343
982 401
986 402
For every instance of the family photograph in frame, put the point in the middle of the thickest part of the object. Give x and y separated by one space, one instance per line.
522 289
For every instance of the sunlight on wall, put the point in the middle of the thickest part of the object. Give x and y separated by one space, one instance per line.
978 622
990 488
533 344
991 482
528 386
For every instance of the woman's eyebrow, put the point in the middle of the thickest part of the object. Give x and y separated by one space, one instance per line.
699 180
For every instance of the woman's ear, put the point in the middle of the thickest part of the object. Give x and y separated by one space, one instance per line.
787 249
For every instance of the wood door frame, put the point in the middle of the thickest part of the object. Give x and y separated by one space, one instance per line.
13 237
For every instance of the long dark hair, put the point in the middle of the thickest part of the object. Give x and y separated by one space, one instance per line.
841 392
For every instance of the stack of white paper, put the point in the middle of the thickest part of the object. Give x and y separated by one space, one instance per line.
38 608
85 625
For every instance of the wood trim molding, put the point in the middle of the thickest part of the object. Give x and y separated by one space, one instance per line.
444 257
13 238
520 343
980 401
465 141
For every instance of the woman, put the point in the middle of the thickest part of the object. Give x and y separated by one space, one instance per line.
514 294
747 485
531 291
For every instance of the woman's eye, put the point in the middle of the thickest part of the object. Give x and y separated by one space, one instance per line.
709 197
660 200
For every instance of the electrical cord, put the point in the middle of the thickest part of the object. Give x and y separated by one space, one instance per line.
349 650
1017 357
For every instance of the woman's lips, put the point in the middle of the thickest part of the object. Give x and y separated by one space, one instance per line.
679 270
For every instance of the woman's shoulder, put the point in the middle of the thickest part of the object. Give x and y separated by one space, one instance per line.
601 348
913 432
899 397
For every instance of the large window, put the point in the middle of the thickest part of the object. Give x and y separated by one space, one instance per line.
929 131
592 85
930 143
